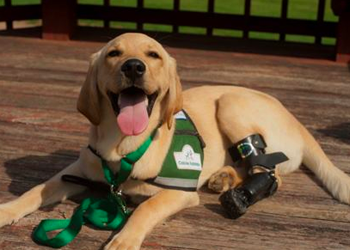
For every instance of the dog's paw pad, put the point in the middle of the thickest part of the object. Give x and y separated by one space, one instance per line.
7 217
221 181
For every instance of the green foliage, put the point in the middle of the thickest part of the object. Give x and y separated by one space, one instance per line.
263 35
159 4
124 3
301 9
192 30
123 25
328 40
227 33
268 8
229 6
91 23
93 2
25 2
157 27
300 39
194 5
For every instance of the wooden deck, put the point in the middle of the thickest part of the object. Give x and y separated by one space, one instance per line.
41 132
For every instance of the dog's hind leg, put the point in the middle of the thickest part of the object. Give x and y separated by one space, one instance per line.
262 133
53 190
243 114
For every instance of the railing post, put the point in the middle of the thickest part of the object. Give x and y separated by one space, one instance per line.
140 6
59 19
341 8
176 10
247 5
106 3
320 17
9 25
284 13
211 4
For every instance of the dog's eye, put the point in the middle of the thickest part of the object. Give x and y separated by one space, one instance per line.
153 54
114 53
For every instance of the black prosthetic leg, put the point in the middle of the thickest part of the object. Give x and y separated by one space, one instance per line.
250 153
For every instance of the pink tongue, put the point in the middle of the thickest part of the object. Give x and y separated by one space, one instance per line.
133 116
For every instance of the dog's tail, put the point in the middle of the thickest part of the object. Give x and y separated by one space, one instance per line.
335 180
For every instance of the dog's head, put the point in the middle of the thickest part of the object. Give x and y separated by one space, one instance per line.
137 78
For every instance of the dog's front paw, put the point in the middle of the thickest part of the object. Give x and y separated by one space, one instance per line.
119 242
7 216
223 180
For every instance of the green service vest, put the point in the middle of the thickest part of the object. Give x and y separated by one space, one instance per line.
183 163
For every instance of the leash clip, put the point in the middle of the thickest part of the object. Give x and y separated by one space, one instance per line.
114 190
118 197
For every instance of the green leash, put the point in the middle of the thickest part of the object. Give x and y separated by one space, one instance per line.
109 213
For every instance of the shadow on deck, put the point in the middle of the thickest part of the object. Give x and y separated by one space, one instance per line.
339 131
41 168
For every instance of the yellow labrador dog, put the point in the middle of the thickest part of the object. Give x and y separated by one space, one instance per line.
125 109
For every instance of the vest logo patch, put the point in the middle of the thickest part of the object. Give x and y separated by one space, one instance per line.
188 159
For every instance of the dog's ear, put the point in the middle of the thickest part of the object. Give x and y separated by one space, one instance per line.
89 98
174 95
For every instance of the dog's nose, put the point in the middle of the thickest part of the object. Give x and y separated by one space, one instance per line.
133 68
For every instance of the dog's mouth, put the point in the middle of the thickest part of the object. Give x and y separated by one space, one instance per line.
133 107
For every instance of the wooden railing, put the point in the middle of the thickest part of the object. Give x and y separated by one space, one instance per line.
210 20
60 18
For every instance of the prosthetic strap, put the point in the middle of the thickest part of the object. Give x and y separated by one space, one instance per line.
249 153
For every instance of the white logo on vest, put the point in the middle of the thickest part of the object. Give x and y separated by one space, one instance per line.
188 159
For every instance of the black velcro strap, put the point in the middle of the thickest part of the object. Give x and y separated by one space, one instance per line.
256 140
267 160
